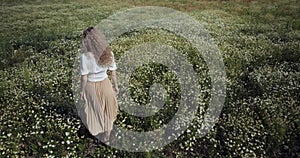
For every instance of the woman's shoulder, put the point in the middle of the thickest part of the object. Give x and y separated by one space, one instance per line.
87 55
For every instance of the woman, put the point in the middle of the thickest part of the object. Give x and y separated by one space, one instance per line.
98 93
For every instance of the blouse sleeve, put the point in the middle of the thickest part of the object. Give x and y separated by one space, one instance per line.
83 65
113 65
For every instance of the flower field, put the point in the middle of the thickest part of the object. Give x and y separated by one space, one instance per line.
259 42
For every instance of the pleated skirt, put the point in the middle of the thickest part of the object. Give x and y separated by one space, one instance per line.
101 108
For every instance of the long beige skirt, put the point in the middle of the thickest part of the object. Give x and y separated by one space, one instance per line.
101 108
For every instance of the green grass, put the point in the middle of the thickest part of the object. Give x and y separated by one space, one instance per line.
259 41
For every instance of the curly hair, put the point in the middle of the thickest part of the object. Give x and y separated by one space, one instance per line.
94 41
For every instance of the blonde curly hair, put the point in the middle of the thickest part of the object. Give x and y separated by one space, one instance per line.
94 41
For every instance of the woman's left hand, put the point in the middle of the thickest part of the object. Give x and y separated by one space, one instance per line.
83 96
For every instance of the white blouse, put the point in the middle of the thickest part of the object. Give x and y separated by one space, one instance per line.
94 72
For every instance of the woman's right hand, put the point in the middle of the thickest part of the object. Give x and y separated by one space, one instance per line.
116 90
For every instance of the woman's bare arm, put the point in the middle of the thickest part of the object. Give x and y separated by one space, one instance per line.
113 76
82 87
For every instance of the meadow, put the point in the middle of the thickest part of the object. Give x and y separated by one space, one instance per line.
259 42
